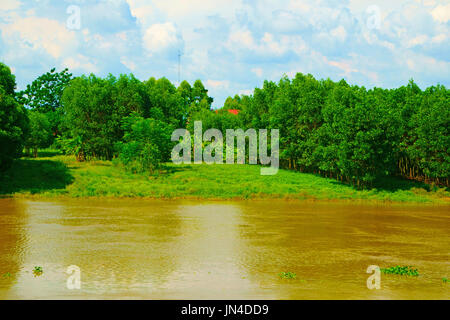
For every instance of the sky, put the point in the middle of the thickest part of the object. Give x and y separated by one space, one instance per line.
231 45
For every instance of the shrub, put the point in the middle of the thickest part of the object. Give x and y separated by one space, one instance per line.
147 144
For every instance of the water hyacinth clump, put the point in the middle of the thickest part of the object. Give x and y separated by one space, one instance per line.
288 275
37 271
405 270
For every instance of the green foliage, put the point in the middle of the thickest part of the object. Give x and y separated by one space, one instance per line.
430 149
233 103
217 119
130 95
14 124
405 270
139 157
95 109
288 275
185 92
93 116
352 134
333 129
198 98
40 134
165 102
200 93
7 80
44 95
38 271
445 280
146 144
71 146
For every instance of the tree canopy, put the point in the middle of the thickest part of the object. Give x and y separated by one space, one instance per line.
44 95
335 129
13 119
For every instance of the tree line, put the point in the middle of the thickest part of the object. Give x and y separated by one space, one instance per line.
350 133
340 131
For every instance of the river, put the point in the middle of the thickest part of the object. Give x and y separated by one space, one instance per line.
147 249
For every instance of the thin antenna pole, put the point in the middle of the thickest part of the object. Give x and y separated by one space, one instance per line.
179 67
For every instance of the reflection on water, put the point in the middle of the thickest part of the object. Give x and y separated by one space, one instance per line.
230 250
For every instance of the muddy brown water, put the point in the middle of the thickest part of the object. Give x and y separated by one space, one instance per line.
142 249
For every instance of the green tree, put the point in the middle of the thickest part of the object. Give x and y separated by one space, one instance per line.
44 95
233 103
185 91
430 150
13 120
165 101
199 92
40 134
7 80
92 118
131 95
199 99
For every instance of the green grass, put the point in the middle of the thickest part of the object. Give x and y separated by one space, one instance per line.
57 175
405 270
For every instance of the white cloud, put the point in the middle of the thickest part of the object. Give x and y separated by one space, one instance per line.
128 63
345 66
182 9
80 63
241 38
159 37
257 71
246 92
439 38
441 13
239 42
419 40
419 63
268 45
10 5
300 6
429 3
142 10
39 33
339 33
271 45
217 84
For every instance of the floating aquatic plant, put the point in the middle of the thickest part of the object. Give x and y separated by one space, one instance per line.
288 275
405 270
38 271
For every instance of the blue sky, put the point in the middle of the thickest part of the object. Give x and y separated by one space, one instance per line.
231 45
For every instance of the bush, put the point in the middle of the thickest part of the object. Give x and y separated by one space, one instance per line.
147 144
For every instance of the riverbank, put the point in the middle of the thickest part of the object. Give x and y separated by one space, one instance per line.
61 176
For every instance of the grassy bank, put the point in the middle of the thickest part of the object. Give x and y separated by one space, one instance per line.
57 175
